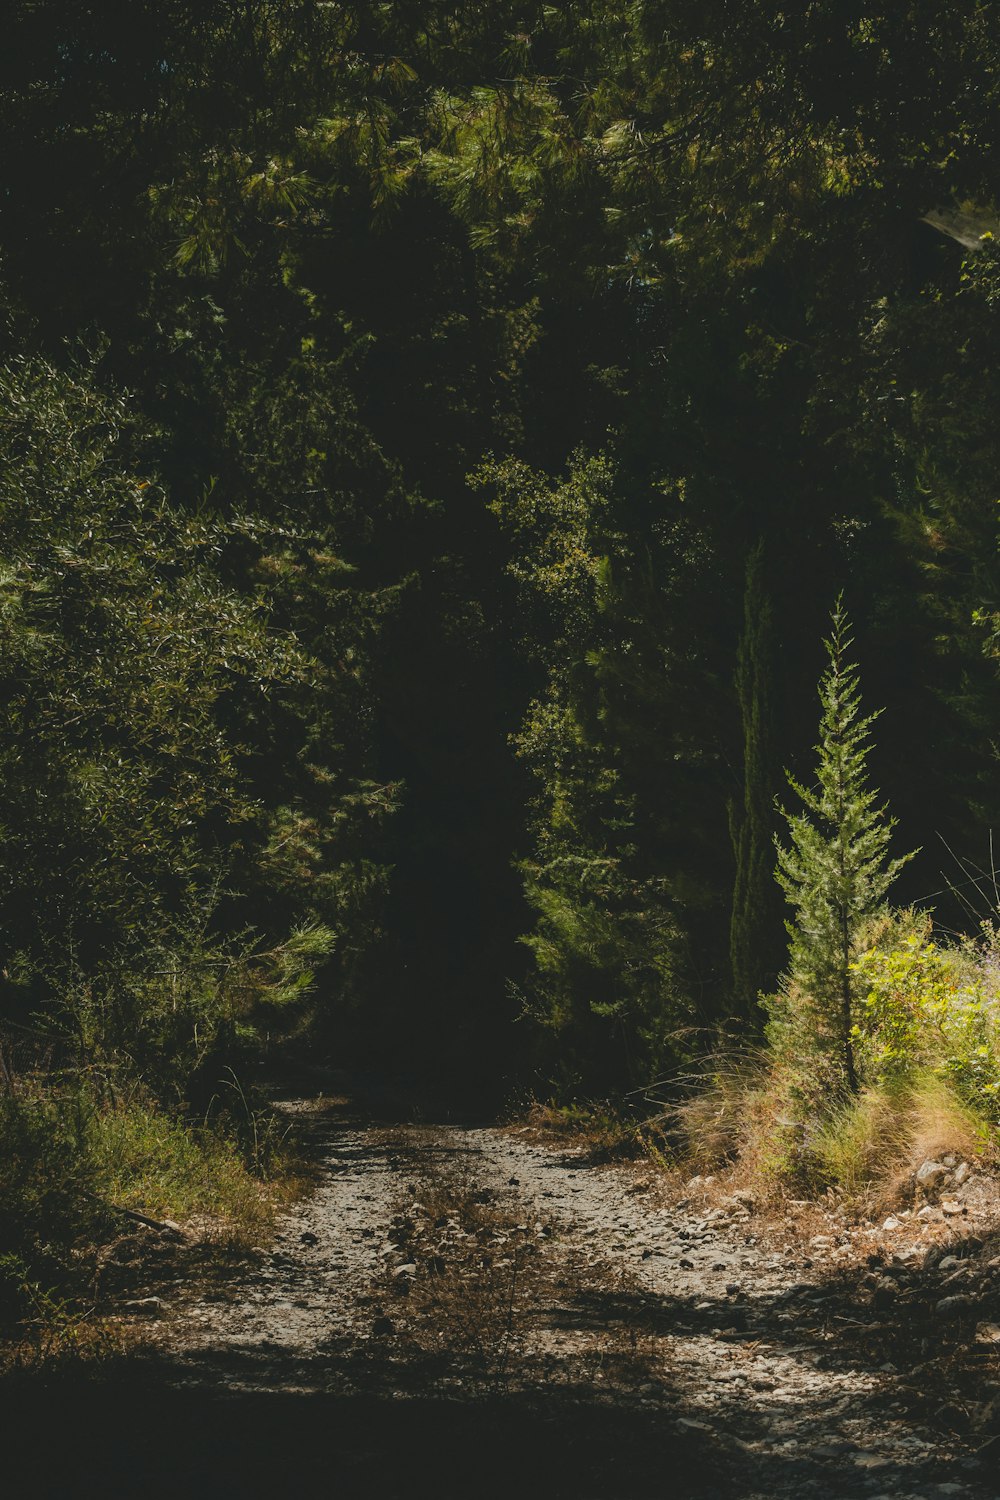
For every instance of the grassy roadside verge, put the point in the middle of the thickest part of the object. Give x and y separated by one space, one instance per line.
104 1196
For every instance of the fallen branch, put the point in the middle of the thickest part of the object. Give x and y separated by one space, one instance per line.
162 1226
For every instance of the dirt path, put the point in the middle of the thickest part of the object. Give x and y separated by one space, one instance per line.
768 1382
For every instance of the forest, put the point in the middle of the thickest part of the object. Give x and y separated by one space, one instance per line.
497 505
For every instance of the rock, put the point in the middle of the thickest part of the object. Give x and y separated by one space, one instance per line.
929 1214
930 1175
951 1208
988 1333
144 1307
308 1238
408 1270
958 1306
948 1161
947 1262
382 1327
688 1424
892 1223
962 1173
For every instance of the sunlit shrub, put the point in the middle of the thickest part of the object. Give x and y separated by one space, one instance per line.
925 1006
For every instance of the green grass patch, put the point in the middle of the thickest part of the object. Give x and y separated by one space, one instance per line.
72 1163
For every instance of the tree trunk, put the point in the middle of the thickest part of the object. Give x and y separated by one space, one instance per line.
845 993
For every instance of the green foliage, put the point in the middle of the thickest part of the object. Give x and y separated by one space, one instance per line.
923 1006
903 992
605 941
836 871
125 666
134 681
72 1158
669 265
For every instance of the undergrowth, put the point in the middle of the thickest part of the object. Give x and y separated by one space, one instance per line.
603 1131
76 1166
926 1036
927 1041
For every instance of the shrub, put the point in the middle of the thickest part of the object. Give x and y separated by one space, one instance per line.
927 1007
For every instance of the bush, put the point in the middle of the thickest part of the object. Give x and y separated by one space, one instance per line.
47 1175
927 1007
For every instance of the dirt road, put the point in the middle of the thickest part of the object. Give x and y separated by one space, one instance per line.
629 1345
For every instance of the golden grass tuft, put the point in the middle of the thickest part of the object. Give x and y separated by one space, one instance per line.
746 1122
862 1142
724 1112
941 1123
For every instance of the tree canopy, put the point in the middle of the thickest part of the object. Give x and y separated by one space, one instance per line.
433 437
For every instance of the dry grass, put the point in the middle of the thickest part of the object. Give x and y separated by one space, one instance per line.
738 1119
860 1157
860 1145
597 1129
494 1299
464 1299
57 1344
939 1122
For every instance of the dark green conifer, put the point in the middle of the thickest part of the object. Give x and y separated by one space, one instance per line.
836 871
754 916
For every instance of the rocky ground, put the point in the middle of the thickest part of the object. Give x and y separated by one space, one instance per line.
798 1358
458 1311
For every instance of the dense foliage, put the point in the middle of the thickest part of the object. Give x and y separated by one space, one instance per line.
423 573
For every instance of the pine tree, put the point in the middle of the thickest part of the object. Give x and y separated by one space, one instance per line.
836 871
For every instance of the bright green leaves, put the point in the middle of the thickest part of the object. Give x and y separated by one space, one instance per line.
924 1006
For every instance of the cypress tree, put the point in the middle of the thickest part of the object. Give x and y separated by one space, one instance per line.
754 918
836 871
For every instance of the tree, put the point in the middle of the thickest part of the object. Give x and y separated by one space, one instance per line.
836 872
753 926
140 691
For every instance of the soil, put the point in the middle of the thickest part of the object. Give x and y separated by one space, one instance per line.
474 1311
